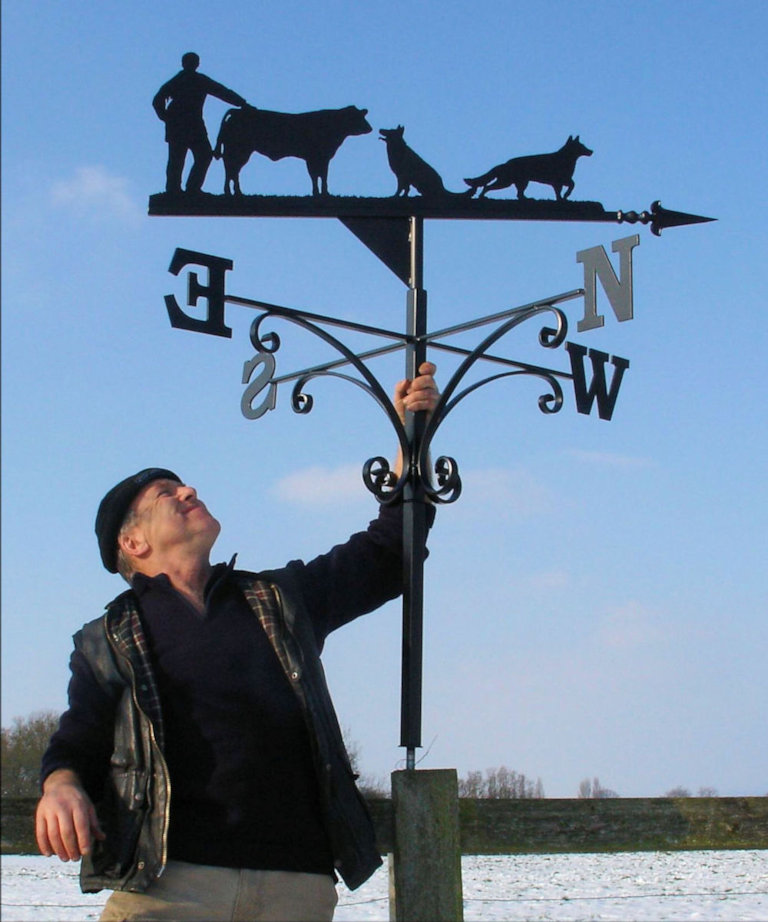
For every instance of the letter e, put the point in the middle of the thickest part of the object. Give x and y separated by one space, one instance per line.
213 292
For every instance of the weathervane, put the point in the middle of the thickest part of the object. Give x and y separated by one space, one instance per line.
392 228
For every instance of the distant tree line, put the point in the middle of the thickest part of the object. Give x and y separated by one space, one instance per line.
25 741
684 792
23 745
499 784
593 790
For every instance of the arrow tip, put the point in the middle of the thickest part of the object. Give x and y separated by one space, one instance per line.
662 218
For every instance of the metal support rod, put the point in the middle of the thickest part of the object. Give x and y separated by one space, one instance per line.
414 510
278 310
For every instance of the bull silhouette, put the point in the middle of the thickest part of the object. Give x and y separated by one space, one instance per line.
311 136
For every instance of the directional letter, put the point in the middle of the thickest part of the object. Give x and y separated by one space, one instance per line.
618 290
263 379
213 292
597 390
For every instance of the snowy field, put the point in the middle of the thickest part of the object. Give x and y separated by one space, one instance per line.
638 886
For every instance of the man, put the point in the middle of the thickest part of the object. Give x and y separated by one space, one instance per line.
200 723
184 125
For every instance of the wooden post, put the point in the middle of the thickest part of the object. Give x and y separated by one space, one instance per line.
427 847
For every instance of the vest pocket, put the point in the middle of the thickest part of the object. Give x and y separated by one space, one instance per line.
121 812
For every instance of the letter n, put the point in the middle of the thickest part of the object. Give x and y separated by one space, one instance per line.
598 388
618 290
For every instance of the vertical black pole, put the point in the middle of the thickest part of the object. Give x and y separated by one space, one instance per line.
414 511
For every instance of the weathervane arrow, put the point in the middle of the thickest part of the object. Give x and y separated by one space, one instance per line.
383 223
660 218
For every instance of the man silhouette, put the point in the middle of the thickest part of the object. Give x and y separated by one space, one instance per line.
179 103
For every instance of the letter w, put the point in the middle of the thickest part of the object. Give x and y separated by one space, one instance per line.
598 389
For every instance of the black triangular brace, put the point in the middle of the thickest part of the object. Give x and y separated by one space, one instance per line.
387 238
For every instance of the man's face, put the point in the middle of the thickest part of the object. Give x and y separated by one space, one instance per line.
168 515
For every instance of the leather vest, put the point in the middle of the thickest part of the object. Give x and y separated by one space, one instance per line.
136 805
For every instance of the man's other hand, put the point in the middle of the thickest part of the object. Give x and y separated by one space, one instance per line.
65 823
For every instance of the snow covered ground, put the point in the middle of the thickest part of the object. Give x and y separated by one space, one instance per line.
639 886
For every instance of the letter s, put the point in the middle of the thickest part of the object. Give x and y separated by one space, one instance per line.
263 379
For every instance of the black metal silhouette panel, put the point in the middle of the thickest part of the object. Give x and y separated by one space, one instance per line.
410 170
555 169
179 103
315 137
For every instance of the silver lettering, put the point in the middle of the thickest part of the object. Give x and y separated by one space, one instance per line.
263 379
618 290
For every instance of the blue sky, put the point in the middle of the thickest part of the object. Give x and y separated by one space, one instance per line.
596 599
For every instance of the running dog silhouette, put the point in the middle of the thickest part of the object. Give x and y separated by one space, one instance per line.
555 169
411 170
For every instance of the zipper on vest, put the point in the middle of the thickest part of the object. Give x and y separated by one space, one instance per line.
322 768
166 775
294 666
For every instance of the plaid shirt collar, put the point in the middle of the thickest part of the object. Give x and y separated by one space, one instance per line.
126 633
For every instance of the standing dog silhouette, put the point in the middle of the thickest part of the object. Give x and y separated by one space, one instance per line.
411 170
555 169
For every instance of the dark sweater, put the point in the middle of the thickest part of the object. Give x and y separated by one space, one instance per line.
236 742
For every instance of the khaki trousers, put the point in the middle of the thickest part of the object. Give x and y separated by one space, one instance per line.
208 894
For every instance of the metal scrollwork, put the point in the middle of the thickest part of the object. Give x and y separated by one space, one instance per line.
552 339
551 403
381 480
377 475
269 342
301 402
448 480
440 483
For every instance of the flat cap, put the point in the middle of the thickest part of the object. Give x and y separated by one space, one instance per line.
115 505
